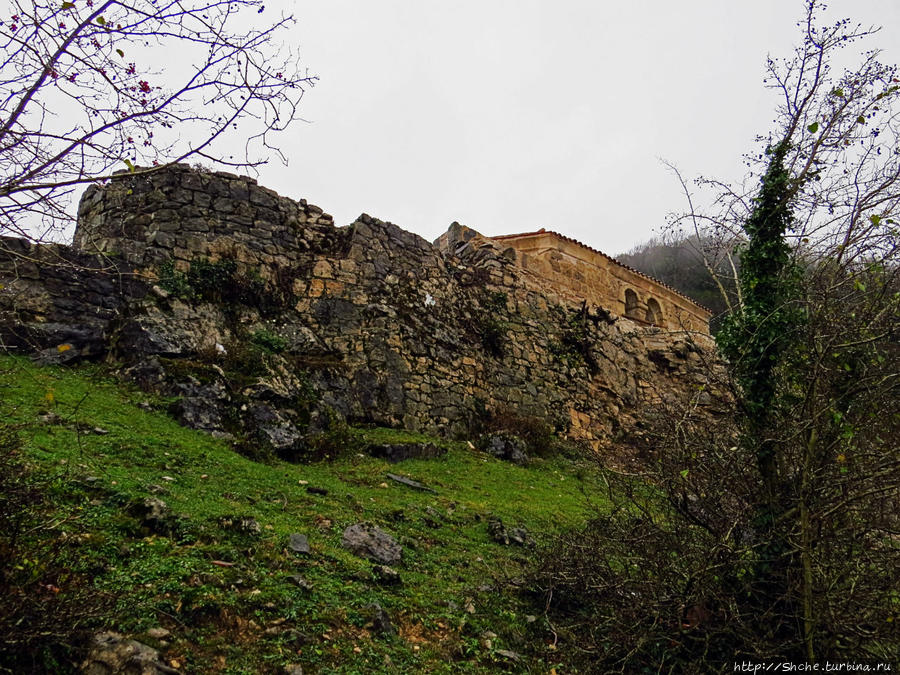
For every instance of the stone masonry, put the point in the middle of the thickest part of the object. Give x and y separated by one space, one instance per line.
366 322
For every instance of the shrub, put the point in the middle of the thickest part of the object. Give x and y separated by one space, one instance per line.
45 609
539 436
269 341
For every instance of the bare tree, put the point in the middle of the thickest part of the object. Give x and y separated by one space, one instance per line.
90 87
771 531
841 130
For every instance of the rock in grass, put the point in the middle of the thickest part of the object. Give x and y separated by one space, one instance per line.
504 446
369 541
153 513
386 576
243 524
511 655
298 543
159 633
516 535
299 580
380 620
111 653
248 526
409 482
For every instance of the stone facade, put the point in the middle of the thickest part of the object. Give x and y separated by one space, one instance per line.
581 273
176 272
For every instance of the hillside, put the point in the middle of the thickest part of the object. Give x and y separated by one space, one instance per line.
210 579
293 351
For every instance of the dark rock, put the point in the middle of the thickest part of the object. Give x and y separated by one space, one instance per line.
507 654
387 576
248 526
497 531
114 654
316 490
146 336
409 482
504 446
397 452
520 536
242 524
65 343
148 374
380 620
298 543
56 356
516 535
200 406
273 427
369 541
50 418
154 514
299 580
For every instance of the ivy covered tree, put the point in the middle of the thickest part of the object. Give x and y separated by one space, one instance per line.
771 529
756 335
813 345
88 87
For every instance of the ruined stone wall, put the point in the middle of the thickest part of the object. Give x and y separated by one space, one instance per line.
384 326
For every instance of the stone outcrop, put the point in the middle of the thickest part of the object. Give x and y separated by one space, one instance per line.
269 323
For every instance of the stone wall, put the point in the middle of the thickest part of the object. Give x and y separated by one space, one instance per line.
385 327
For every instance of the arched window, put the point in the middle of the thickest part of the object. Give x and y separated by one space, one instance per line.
654 312
631 303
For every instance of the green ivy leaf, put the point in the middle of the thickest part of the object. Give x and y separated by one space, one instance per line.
129 165
861 119
813 128
68 5
101 20
837 92
120 53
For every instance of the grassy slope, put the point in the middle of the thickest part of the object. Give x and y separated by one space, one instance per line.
248 617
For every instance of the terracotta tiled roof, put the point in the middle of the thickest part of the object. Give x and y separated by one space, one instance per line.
608 257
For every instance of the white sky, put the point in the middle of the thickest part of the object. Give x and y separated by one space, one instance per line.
512 115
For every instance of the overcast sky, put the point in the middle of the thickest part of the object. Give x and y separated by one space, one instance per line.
512 115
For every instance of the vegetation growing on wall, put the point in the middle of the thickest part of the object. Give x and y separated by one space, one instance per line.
226 283
490 327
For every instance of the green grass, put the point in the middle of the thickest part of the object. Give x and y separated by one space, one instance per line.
247 617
